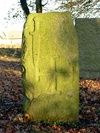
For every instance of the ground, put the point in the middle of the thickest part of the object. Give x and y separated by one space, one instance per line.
11 106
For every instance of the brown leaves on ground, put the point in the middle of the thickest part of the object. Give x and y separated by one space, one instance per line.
11 97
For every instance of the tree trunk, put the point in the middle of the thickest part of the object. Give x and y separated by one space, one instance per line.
25 7
39 6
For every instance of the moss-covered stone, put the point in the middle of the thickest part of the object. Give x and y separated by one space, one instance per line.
50 72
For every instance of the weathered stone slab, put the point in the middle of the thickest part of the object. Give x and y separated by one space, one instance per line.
50 69
88 31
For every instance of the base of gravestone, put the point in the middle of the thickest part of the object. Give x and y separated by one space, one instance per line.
50 71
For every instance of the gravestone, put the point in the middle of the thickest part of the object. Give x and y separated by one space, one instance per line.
50 71
88 31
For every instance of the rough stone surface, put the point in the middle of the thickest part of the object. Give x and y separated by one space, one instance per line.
88 31
50 69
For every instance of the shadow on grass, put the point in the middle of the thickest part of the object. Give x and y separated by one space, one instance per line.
10 52
10 58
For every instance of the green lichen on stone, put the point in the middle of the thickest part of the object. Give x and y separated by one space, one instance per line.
50 67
